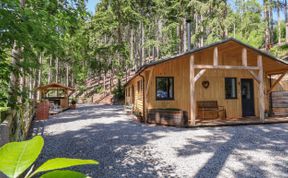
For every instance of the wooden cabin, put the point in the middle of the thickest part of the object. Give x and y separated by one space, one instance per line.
57 95
227 80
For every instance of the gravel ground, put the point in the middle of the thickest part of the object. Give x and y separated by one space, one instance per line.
126 148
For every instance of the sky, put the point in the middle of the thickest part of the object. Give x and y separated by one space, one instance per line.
91 5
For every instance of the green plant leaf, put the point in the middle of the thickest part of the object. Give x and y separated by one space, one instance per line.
16 157
59 163
63 174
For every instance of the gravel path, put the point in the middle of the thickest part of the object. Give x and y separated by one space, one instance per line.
126 148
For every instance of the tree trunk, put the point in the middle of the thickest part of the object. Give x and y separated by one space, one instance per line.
271 23
267 29
104 82
36 84
132 58
184 35
202 31
57 70
49 70
142 55
159 37
30 86
286 22
39 72
67 74
279 22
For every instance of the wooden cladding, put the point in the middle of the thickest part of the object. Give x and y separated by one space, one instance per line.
211 65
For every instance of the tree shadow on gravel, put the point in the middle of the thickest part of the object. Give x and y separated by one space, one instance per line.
120 146
223 142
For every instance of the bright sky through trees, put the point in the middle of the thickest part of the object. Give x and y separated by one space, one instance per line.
91 5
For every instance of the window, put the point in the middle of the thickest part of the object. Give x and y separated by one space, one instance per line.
230 88
164 88
139 86
142 86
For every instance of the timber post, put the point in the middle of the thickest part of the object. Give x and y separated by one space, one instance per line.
261 89
192 121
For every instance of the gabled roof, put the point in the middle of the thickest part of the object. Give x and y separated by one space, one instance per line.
145 66
54 86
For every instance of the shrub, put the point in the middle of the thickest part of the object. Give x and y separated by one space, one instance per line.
118 92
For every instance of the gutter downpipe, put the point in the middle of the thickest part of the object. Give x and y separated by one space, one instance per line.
144 115
270 98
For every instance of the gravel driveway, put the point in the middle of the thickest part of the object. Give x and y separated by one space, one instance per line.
126 148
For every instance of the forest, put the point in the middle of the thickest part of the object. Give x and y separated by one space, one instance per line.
44 41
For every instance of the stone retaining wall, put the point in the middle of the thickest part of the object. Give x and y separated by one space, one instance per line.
16 124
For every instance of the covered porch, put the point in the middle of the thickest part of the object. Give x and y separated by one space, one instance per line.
252 71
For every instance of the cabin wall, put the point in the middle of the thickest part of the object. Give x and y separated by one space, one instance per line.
179 69
135 99
216 78
216 90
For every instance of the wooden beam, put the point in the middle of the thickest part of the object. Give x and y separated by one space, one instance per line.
261 88
226 67
244 57
254 76
197 77
215 57
146 93
192 118
277 72
276 82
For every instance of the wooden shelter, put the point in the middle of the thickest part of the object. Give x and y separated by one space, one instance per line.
227 79
57 94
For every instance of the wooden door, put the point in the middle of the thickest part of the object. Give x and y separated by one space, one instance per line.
247 95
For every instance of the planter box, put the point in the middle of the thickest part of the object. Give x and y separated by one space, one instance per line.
170 117
42 112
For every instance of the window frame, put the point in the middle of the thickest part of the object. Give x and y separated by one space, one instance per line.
173 89
236 94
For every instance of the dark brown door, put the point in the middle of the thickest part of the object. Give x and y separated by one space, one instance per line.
247 93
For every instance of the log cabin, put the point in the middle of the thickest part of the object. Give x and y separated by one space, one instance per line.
226 80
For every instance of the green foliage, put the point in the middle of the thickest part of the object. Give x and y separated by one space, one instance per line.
17 157
5 78
60 163
119 92
280 51
63 174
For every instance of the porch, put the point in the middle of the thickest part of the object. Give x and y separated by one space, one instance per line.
240 121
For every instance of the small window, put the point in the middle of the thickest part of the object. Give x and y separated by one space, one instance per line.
164 88
139 86
230 88
142 86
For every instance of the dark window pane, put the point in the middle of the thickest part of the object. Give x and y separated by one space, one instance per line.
164 88
230 88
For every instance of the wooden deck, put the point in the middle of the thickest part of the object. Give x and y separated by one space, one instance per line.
241 121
